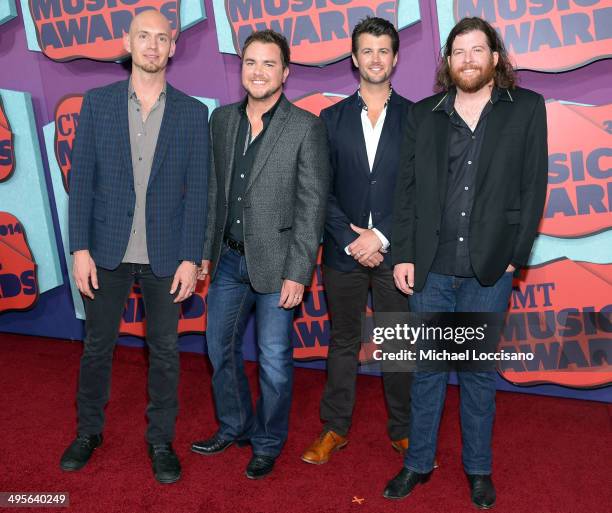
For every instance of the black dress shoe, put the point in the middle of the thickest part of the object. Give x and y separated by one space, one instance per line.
166 465
215 445
259 466
79 451
483 491
402 484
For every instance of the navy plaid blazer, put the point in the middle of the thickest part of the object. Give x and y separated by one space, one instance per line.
102 196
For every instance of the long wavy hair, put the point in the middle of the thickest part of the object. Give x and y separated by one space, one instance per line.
505 75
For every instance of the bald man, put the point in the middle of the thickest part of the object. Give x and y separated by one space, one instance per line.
136 214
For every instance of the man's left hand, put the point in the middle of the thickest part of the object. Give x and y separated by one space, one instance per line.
185 279
510 268
291 294
366 244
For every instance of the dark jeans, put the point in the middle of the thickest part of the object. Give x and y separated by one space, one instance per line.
102 328
443 293
230 301
347 296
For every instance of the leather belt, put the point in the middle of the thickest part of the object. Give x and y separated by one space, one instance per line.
234 244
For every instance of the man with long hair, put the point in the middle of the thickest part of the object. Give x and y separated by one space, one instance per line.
469 199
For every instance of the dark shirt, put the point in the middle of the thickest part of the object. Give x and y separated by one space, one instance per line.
464 148
244 157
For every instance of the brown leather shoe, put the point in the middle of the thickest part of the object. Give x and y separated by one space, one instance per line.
400 446
321 449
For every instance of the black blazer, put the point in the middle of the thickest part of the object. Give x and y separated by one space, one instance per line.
510 186
353 186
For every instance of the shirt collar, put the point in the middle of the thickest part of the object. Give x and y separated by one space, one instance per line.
362 104
133 96
447 103
268 114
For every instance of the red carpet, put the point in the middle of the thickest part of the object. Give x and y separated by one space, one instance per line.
551 455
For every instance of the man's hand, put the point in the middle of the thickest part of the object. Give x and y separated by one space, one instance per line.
403 275
366 245
291 294
84 270
510 268
374 261
185 279
203 270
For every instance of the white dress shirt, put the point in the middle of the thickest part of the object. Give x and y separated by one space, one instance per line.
371 134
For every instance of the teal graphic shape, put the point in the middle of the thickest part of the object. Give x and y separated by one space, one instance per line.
25 194
8 10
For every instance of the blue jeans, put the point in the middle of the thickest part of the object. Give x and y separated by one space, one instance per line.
443 293
230 301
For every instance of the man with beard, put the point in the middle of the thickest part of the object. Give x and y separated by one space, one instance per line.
365 133
268 188
470 196
137 212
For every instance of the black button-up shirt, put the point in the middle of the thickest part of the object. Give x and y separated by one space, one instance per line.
244 157
464 148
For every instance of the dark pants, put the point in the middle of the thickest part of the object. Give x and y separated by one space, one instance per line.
443 293
347 296
102 328
231 299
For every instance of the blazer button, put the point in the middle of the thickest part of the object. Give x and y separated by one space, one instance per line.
437 232
130 214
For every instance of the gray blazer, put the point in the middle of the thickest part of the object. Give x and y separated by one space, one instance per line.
285 199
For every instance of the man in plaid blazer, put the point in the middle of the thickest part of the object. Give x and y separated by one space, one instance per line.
137 212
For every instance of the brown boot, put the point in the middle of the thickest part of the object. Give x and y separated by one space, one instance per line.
321 449
400 446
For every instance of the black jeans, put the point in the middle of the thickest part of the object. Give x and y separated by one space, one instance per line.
102 328
347 296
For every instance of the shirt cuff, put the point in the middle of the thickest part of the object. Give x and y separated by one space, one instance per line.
384 241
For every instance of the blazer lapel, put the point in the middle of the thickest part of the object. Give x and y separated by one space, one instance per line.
356 127
230 147
497 117
125 150
169 121
389 132
270 138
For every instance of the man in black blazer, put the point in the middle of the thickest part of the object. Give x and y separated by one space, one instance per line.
470 196
269 180
137 212
364 132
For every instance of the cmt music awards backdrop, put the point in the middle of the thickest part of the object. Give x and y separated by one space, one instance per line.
52 51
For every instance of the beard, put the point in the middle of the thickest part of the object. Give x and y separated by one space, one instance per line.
372 79
150 67
476 82
262 94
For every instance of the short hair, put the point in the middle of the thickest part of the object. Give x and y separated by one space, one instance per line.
269 36
377 27
504 71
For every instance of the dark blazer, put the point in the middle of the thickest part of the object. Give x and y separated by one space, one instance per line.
102 197
510 186
355 191
286 192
